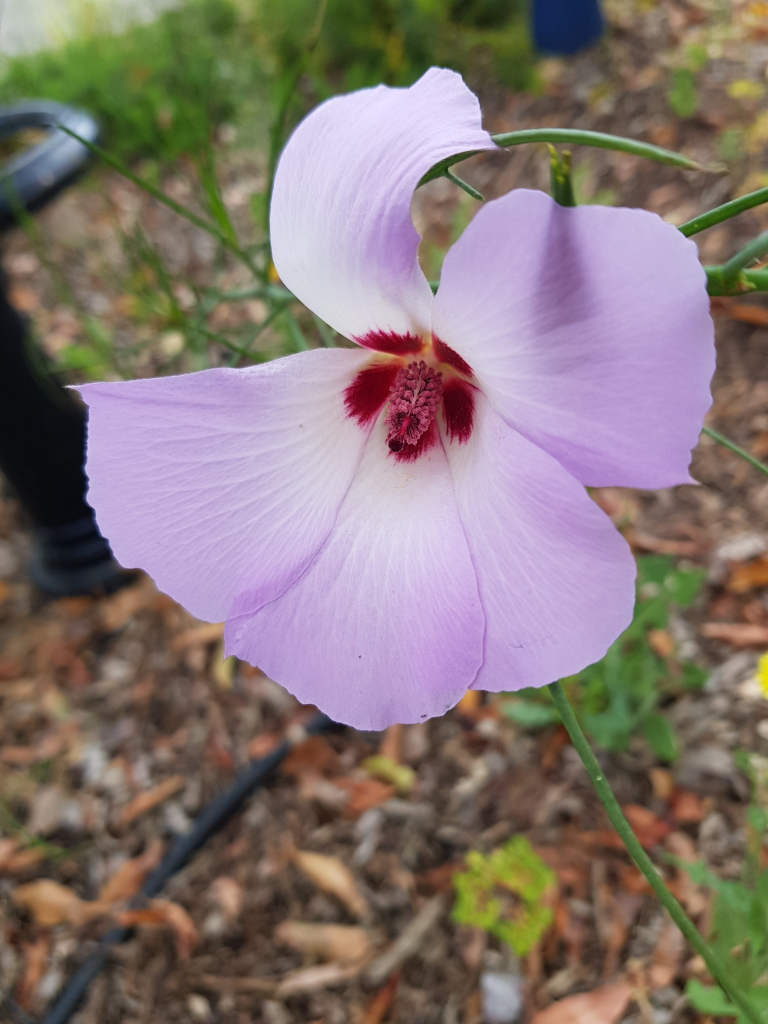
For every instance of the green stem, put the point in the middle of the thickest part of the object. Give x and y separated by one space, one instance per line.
463 185
751 252
721 213
641 858
744 282
574 136
166 200
731 446
561 182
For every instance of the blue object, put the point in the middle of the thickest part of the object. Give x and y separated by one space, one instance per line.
565 26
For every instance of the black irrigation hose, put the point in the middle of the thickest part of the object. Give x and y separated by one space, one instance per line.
212 818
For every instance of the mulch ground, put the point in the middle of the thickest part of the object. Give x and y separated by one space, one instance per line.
120 720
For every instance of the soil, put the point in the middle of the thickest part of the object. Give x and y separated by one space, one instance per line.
106 700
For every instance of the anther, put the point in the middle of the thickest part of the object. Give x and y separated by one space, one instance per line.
415 396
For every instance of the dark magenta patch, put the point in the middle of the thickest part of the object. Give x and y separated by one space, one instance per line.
364 397
393 344
446 355
411 452
459 409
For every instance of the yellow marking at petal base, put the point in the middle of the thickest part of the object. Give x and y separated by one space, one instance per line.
762 674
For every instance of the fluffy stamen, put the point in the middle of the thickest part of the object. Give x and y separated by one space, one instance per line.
415 395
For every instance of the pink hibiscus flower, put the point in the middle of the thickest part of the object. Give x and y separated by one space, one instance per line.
384 526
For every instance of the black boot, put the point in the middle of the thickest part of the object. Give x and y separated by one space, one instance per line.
42 450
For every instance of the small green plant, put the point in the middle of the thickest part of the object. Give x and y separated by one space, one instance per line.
506 894
739 923
621 695
683 95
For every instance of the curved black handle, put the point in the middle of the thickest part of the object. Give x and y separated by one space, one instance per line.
34 175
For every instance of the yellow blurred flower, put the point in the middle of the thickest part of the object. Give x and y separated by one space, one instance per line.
762 673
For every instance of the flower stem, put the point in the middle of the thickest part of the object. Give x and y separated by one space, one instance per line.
641 858
721 213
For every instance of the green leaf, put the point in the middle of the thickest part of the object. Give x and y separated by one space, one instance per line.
683 96
529 714
709 999
660 736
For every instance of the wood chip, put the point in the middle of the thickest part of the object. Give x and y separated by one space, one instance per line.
739 634
199 636
408 942
326 941
312 979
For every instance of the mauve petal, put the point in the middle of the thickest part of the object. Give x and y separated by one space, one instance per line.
223 484
556 579
589 330
385 626
341 230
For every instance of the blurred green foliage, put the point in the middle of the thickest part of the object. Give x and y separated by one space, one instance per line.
739 919
395 41
622 695
683 94
156 88
504 893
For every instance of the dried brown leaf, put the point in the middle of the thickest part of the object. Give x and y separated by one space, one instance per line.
747 313
381 1002
364 794
749 575
35 955
130 876
661 643
313 755
603 1006
18 861
198 636
646 825
332 876
118 609
51 903
165 914
148 799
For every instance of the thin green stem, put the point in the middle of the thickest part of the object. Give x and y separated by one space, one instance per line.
463 185
575 136
166 200
724 212
641 858
733 447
